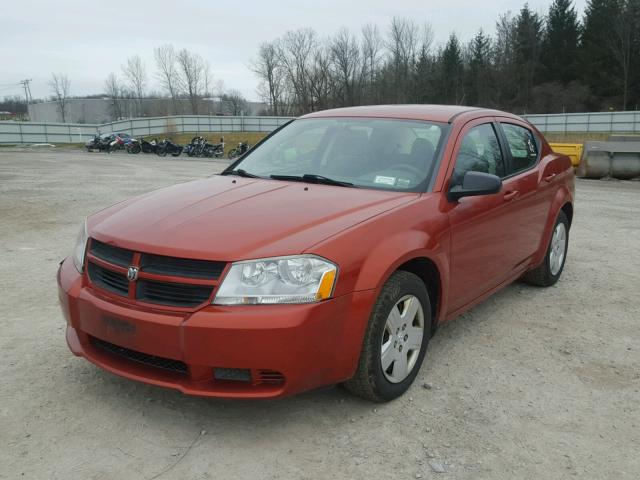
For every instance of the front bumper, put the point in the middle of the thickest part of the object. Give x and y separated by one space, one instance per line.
308 345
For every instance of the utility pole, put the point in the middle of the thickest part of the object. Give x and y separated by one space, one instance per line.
27 89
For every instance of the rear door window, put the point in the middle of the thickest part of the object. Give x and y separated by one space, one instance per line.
522 147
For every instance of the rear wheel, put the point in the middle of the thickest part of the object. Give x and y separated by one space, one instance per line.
551 268
161 151
395 341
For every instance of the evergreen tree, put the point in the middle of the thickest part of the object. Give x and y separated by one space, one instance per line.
560 44
633 15
423 75
479 78
528 35
598 65
451 72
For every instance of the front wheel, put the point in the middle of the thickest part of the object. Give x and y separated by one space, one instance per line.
396 340
551 268
232 154
161 151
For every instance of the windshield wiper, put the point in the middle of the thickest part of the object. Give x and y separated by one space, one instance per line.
241 173
312 178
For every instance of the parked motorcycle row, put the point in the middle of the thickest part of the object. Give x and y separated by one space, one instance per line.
199 146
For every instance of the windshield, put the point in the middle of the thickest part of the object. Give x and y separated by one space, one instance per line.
363 152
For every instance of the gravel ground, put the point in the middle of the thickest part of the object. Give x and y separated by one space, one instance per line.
532 383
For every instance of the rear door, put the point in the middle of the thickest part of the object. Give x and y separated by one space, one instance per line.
529 195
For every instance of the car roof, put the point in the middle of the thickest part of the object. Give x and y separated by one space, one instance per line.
434 113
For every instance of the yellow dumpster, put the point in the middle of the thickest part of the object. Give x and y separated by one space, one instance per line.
572 150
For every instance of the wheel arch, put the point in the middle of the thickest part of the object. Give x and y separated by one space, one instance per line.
427 270
567 208
563 202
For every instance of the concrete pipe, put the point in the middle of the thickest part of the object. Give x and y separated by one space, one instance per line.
594 164
625 165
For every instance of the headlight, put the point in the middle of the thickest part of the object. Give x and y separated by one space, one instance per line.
295 279
81 245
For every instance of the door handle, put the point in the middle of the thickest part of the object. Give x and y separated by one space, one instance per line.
511 195
549 177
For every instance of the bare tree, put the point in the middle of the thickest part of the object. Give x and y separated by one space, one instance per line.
136 75
296 54
60 86
402 42
191 68
346 65
165 56
372 46
270 71
114 89
235 102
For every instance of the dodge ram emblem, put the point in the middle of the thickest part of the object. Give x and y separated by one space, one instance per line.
132 274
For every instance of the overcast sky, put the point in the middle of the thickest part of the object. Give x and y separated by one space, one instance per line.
87 39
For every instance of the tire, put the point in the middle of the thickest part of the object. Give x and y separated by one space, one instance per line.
161 151
232 154
370 381
551 268
135 149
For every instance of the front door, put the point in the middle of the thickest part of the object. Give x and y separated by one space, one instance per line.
483 250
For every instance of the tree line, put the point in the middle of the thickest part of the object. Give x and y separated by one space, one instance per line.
533 63
184 78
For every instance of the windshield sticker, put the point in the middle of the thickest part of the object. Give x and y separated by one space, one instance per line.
385 180
403 182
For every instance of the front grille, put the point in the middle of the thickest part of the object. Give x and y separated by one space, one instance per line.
111 254
150 360
180 267
105 270
176 294
108 279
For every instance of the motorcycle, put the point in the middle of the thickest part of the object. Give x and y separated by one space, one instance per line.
214 149
168 147
132 146
149 146
241 149
119 141
99 142
194 149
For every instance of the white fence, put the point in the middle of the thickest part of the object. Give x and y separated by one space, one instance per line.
32 132
597 122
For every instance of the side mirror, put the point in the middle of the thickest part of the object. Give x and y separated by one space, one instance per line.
475 183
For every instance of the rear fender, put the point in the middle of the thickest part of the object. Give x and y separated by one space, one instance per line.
563 195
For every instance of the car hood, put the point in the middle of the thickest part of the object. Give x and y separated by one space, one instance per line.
232 218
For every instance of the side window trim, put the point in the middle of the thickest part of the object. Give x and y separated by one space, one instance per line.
509 162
